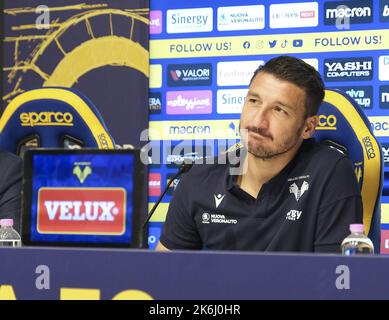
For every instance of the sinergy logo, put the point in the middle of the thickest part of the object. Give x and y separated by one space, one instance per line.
32 119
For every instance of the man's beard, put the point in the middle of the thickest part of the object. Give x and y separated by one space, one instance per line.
264 152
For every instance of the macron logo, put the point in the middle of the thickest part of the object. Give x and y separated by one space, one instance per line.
218 199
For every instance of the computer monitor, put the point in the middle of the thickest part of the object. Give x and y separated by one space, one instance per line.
84 197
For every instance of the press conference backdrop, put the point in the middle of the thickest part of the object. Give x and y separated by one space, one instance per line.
203 54
98 47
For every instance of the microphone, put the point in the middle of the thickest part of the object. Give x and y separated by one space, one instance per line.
184 167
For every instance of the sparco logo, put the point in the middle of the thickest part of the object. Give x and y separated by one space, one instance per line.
46 118
369 147
354 11
385 153
350 69
189 75
82 211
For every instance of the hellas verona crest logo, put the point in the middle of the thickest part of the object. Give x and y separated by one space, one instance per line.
298 192
82 174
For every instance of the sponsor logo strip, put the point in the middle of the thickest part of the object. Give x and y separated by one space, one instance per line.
385 241
194 130
362 40
385 153
189 102
384 11
231 101
155 21
348 12
241 18
196 74
236 73
363 95
384 212
189 20
160 213
155 76
296 15
380 126
348 69
384 97
383 68
94 211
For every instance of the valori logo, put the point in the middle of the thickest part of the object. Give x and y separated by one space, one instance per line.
82 211
189 20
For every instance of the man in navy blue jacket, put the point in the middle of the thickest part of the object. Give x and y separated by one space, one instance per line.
11 172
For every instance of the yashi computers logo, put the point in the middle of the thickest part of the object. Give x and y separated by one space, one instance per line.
94 211
82 170
46 118
348 69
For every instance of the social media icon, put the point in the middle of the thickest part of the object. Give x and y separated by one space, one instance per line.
273 43
246 44
297 43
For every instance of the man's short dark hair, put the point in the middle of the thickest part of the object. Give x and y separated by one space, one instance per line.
299 73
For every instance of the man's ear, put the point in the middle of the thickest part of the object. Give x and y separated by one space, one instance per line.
310 126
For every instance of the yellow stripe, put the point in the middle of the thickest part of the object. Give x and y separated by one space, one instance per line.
359 40
194 130
160 214
385 213
65 96
155 76
372 172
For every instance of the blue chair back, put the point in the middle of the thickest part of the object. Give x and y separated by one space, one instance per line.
52 117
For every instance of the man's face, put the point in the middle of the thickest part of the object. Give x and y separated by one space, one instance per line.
273 114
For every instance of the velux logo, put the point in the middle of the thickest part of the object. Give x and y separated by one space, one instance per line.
82 211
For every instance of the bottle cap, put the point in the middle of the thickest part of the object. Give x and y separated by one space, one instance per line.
357 227
6 222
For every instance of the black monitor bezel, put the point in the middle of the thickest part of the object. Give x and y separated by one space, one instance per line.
139 235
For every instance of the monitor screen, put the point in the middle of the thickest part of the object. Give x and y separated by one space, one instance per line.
85 197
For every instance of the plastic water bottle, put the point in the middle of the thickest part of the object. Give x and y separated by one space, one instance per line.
9 237
357 242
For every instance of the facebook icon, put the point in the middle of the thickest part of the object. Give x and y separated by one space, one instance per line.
298 43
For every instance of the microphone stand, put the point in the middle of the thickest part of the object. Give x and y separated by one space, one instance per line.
185 167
